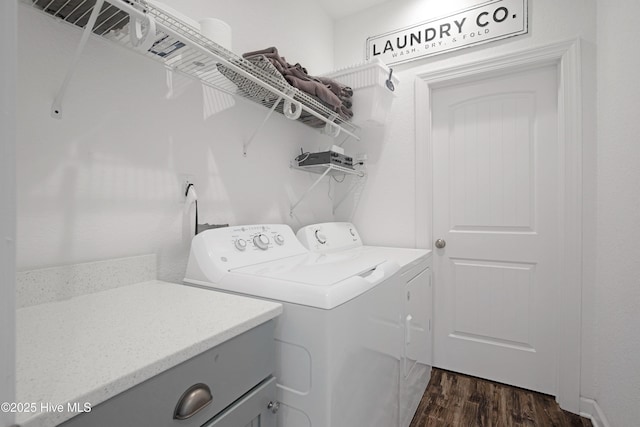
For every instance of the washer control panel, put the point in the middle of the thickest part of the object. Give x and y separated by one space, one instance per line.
239 246
258 237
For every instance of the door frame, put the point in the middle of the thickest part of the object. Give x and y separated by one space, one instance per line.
566 56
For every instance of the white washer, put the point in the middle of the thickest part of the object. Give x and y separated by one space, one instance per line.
339 338
416 291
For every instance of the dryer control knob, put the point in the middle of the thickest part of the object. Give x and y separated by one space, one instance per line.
240 244
320 237
261 241
279 239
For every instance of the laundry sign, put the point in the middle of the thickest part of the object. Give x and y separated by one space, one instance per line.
494 20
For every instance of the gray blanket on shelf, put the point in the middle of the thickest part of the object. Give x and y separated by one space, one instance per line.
330 92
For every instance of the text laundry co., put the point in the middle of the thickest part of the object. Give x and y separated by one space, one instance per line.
496 20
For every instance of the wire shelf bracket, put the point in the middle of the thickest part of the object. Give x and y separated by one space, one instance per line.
328 170
56 107
337 205
255 133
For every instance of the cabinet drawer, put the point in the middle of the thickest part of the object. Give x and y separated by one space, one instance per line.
229 370
252 410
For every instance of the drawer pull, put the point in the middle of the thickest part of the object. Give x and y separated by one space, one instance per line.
192 401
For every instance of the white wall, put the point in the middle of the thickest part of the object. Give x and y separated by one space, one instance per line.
301 30
618 251
103 182
549 22
7 206
385 211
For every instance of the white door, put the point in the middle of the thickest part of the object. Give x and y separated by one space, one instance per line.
495 204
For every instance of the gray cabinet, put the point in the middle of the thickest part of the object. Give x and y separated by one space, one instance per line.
231 385
256 409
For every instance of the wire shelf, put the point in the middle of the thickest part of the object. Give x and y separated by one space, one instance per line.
322 170
182 48
330 169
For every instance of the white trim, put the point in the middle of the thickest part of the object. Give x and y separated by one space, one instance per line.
589 408
8 53
424 175
567 56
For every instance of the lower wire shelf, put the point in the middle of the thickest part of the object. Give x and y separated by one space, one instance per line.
330 170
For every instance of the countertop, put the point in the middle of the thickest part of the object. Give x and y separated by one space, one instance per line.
89 348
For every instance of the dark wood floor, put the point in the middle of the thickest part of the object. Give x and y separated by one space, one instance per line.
459 400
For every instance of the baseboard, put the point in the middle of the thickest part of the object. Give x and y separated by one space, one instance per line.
589 408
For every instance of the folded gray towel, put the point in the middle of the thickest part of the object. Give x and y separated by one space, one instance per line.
316 89
333 94
269 50
339 89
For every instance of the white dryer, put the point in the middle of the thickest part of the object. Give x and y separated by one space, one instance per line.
339 337
415 290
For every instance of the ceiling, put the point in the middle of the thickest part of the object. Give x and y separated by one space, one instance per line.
340 8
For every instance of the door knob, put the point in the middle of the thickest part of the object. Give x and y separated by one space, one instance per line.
440 243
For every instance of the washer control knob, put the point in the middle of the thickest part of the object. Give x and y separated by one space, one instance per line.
320 237
240 244
279 239
261 241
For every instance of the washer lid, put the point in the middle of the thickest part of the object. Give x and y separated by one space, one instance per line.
318 269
